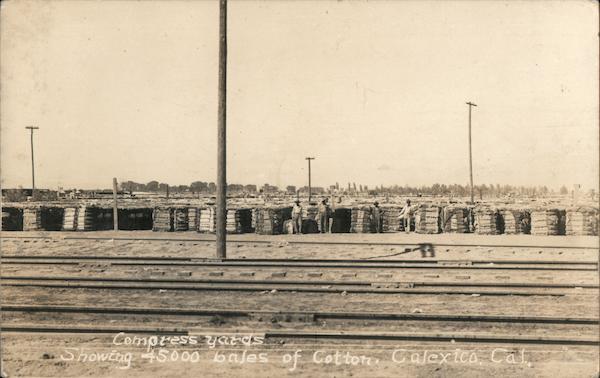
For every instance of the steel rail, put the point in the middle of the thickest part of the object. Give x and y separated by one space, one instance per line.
317 263
285 334
308 314
305 242
301 282
286 287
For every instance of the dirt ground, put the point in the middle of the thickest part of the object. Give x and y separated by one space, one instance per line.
68 355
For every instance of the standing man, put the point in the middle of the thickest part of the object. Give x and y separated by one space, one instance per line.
406 215
297 217
323 216
377 218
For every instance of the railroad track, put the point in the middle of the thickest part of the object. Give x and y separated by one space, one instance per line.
298 242
313 286
496 264
311 316
588 326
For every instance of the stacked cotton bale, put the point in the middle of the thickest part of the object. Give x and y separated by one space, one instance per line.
162 219
243 220
207 219
427 219
310 223
515 221
360 220
547 222
32 219
341 220
192 218
486 221
70 219
12 219
254 222
391 220
582 221
288 227
135 218
233 225
52 218
180 219
455 219
310 212
83 219
92 218
269 221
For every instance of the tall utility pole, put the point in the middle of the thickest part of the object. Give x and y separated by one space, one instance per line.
115 209
470 150
309 186
31 128
221 140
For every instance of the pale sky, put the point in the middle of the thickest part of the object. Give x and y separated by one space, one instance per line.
374 90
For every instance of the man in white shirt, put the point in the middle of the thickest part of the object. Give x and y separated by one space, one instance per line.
406 215
297 217
323 216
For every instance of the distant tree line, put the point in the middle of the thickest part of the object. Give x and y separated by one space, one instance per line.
491 190
480 191
194 187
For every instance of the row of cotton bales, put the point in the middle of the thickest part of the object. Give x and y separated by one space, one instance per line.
427 219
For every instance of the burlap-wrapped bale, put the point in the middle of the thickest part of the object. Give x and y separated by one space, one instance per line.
70 219
341 220
515 221
181 219
269 220
582 221
548 222
12 219
32 219
427 219
486 221
207 219
391 221
51 218
310 212
192 218
139 218
360 220
93 218
162 219
455 219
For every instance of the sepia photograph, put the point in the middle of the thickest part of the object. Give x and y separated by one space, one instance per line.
300 188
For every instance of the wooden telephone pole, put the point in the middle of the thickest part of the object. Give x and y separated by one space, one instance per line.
221 137
309 178
470 151
31 128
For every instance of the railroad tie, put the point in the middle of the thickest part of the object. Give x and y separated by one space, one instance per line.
216 274
550 278
247 274
314 274
278 274
288 317
184 273
462 277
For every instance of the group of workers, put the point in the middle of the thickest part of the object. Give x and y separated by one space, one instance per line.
325 214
